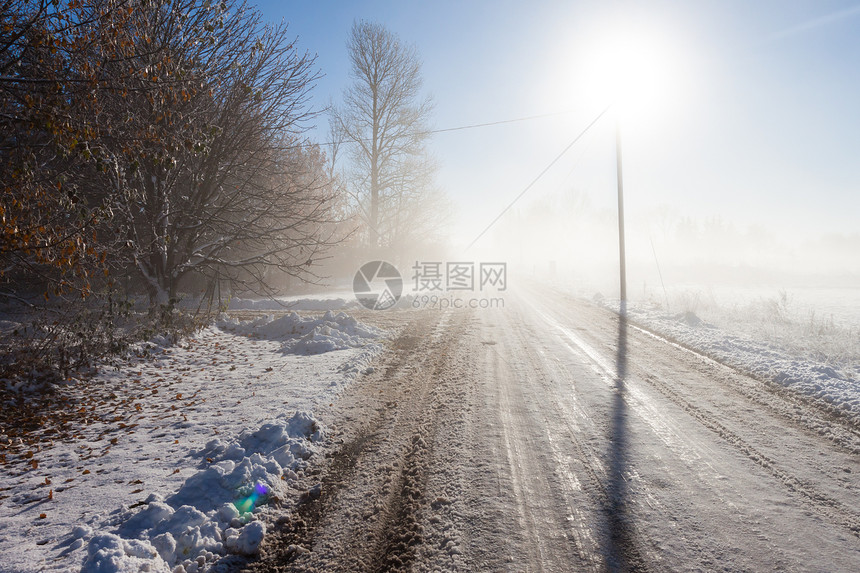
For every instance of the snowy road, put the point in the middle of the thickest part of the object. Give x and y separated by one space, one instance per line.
551 436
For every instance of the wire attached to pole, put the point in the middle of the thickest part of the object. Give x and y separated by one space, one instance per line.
541 174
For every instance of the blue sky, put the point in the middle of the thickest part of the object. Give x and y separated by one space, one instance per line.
759 122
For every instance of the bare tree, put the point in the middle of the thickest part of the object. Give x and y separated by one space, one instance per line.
250 198
157 140
415 211
89 91
51 85
385 120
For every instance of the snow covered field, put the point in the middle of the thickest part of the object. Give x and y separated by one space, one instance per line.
167 463
806 339
835 381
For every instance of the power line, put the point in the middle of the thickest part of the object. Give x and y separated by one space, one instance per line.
503 121
461 127
541 174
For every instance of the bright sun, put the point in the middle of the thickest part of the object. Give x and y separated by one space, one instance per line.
631 69
630 66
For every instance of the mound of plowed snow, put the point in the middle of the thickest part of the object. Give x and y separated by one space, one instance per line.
308 335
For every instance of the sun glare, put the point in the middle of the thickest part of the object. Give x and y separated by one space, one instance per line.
631 67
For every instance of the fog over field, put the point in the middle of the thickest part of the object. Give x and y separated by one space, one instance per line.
736 122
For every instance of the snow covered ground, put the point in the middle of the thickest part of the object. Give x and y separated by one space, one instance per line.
781 335
836 382
504 440
167 463
806 339
336 300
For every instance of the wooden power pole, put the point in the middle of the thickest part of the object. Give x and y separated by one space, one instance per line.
621 255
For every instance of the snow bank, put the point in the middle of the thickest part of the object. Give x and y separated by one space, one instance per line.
145 432
307 335
214 512
319 304
836 384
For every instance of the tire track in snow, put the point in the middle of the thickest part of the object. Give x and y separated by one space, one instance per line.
806 412
369 514
560 495
824 504
801 411
589 466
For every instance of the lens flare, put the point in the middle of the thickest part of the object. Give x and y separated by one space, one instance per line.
248 503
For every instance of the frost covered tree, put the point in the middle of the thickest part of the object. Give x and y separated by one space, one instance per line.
383 120
53 79
87 89
153 140
161 138
250 197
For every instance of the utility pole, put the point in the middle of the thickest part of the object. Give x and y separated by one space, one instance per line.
621 256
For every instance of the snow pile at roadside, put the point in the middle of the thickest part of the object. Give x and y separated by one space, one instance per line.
115 437
836 383
286 303
308 335
213 513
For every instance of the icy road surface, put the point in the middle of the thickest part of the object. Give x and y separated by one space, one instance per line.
552 436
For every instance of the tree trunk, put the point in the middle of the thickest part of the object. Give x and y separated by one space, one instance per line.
374 176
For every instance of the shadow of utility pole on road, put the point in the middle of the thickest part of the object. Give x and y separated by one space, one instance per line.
620 552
